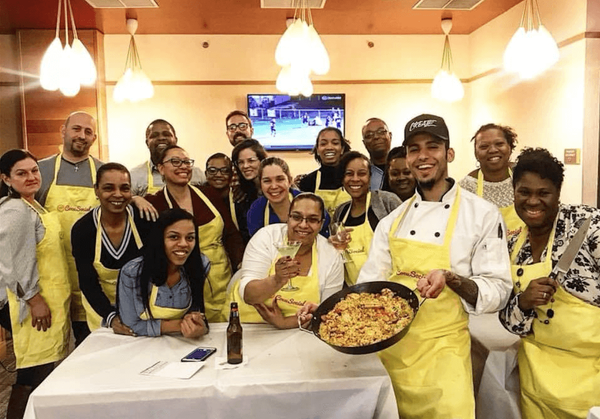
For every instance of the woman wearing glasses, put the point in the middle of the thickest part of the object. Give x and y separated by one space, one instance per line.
219 172
317 268
325 182
246 157
274 206
219 240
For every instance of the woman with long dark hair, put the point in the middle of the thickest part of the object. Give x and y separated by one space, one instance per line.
34 271
246 157
162 290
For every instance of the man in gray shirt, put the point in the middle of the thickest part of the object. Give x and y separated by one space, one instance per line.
145 178
68 189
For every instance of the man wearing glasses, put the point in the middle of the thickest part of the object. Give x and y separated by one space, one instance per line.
377 139
239 127
145 178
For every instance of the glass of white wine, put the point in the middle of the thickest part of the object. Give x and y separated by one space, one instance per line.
288 248
340 237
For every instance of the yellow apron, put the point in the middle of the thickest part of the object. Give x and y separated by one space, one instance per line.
358 249
107 277
163 313
513 222
559 364
71 203
267 216
430 367
33 347
210 236
232 210
288 301
331 197
151 188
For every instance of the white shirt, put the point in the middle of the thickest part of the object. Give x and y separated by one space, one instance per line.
260 254
478 247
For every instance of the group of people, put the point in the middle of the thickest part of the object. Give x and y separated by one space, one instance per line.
165 247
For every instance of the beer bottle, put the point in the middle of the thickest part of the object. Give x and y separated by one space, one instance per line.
234 336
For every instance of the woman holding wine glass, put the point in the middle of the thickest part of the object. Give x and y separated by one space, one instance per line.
359 217
316 269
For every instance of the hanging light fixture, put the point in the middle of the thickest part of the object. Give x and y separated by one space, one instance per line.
300 52
446 86
134 85
70 67
532 49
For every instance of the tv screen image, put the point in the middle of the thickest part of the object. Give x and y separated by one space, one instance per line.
283 122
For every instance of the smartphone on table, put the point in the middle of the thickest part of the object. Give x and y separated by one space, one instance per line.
199 355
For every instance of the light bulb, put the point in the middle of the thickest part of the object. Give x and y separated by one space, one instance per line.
51 67
514 51
86 70
447 87
121 92
69 80
319 55
283 52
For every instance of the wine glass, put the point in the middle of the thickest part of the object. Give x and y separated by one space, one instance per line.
288 248
339 237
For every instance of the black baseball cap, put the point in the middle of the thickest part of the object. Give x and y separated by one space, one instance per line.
427 124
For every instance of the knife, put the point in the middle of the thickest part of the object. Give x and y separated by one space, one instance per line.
565 261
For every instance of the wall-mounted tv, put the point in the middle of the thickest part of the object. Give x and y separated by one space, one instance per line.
284 122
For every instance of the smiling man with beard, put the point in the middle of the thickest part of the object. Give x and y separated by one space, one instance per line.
450 245
145 178
68 189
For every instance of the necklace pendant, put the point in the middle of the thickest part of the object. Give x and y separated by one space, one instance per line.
550 313
76 167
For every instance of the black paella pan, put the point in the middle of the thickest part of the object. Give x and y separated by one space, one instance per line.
326 306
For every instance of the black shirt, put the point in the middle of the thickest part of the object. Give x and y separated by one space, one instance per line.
329 180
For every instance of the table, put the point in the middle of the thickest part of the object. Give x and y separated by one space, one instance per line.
289 374
495 368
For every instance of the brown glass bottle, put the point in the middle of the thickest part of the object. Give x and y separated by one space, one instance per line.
234 336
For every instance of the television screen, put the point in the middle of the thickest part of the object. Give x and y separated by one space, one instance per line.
284 122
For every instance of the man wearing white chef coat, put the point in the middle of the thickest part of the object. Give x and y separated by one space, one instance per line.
450 245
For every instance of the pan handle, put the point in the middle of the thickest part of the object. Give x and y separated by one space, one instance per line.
302 328
422 301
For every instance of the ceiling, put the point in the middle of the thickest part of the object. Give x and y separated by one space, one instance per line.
346 17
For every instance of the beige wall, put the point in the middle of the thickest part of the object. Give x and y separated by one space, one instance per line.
10 95
198 111
549 110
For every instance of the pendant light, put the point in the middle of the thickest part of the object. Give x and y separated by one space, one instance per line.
70 67
446 85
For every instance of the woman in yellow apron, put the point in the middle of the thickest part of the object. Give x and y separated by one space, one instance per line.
362 214
557 317
246 157
218 238
274 204
162 291
493 180
34 271
116 229
316 270
325 181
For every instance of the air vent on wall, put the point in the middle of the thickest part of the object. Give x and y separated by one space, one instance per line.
122 4
291 4
446 4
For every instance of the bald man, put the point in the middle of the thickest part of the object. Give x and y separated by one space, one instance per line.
68 189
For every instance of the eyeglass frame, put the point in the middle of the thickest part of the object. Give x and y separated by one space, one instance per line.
250 160
299 218
370 135
186 162
223 170
234 127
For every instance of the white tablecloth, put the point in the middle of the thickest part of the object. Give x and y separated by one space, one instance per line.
495 369
290 374
594 413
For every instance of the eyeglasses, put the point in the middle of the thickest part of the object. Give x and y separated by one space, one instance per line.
214 170
249 161
176 162
369 135
310 220
233 127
